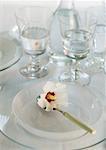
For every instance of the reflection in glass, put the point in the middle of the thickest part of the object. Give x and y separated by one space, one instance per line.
34 28
76 44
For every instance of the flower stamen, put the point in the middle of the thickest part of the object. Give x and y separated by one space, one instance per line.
50 96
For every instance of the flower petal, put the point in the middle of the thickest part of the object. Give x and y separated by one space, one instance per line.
49 86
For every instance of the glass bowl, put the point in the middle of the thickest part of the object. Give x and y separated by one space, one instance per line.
82 103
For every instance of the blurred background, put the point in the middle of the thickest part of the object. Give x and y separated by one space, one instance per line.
8 7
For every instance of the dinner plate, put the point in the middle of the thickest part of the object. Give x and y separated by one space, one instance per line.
52 125
10 51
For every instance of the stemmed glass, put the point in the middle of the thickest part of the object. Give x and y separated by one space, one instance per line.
100 46
34 29
76 44
56 52
96 60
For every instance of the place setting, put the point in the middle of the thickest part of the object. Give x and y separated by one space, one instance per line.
58 108
10 51
66 121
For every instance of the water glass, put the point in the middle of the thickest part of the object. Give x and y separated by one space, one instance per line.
34 28
100 46
76 43
96 60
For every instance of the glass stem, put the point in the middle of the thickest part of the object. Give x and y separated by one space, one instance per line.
76 69
35 64
33 59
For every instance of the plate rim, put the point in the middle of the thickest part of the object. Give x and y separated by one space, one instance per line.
46 134
16 58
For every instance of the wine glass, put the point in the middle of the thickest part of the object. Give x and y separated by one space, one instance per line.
56 52
100 46
34 28
96 60
76 44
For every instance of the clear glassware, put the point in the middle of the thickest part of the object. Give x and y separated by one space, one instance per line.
6 143
34 29
10 51
100 45
96 60
56 51
76 44
89 110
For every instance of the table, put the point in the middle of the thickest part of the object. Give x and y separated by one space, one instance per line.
13 82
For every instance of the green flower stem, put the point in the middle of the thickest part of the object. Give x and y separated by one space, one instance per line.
76 121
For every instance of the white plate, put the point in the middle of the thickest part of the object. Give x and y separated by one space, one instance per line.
53 125
10 51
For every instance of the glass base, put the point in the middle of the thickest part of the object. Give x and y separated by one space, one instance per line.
80 77
33 72
93 65
59 58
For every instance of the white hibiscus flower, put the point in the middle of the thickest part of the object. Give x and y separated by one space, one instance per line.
54 95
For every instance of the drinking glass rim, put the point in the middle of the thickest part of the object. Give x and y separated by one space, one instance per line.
17 15
101 25
83 31
64 22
